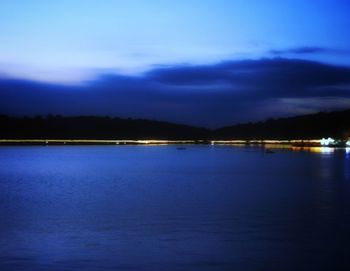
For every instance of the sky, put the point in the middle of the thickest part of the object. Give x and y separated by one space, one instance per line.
200 62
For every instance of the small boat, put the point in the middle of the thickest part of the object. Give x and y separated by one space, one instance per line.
181 148
269 151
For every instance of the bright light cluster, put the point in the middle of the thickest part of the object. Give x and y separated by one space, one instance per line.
327 141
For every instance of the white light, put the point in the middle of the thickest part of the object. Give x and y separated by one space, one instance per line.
327 141
348 143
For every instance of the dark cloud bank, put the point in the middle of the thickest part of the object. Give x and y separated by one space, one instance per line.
205 95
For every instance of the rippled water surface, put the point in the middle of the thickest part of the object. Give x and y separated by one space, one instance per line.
160 208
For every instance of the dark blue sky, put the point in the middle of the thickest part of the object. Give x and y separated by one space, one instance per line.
208 63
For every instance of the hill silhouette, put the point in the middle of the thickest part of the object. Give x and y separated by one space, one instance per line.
325 124
91 127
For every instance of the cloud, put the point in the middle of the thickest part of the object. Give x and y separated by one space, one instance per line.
308 50
204 95
264 77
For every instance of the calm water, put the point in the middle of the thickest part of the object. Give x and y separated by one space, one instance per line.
159 208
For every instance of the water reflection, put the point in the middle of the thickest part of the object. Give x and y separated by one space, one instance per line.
157 208
321 150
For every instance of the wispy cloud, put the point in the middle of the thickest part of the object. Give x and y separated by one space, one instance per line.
304 50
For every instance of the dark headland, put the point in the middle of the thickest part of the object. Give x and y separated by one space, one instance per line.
108 130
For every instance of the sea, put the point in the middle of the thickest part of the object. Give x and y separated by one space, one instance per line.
197 207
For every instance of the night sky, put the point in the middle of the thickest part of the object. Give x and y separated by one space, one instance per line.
201 62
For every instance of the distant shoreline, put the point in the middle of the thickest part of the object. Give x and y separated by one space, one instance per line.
113 130
147 142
